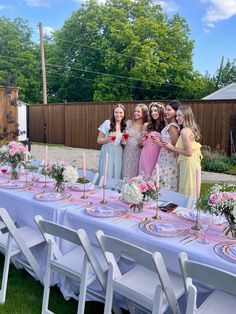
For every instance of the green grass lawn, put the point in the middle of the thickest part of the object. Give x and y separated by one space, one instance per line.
24 294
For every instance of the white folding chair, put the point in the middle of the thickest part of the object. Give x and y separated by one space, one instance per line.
147 285
84 263
13 244
177 198
221 300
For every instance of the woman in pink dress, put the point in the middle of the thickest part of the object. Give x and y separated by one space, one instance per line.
151 138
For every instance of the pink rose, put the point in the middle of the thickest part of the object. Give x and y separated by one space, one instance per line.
143 187
215 198
12 151
151 185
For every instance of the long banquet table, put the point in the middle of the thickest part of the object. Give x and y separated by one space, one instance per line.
70 212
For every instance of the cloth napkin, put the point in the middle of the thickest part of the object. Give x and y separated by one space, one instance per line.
104 209
164 227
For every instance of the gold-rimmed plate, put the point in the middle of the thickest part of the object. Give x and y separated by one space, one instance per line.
16 184
105 211
226 250
51 196
163 228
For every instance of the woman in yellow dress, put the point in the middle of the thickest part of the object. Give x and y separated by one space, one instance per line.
189 150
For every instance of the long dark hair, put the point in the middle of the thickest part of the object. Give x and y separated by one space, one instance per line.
113 120
175 104
159 124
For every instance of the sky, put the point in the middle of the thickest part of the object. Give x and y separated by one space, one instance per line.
212 23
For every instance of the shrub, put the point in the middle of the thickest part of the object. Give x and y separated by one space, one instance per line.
216 160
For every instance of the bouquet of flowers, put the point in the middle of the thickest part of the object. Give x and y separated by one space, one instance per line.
61 172
14 154
138 189
221 200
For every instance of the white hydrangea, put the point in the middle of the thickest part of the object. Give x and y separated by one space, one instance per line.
70 174
131 193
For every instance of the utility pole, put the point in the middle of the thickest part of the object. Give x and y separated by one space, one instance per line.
219 75
45 101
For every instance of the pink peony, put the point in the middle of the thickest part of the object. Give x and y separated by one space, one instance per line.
215 198
143 187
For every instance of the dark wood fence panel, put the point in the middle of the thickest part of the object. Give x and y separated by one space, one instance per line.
8 113
76 124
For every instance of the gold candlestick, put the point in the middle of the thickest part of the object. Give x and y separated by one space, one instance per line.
103 201
157 216
196 226
84 196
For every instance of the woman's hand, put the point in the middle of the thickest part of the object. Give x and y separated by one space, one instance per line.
167 145
156 139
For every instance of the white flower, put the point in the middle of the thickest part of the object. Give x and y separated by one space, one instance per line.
70 174
131 194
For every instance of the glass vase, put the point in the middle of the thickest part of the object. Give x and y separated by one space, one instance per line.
14 172
137 207
230 230
59 186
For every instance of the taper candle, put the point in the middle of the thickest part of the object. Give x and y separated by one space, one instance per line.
157 176
198 183
84 166
46 156
105 169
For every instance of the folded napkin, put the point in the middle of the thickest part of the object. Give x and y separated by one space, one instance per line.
164 227
104 209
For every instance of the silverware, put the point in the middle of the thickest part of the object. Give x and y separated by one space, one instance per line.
84 206
189 238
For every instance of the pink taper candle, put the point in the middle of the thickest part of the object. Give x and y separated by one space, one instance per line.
157 176
198 183
84 166
26 154
105 170
46 156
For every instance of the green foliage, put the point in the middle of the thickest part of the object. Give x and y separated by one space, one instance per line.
216 160
226 75
18 62
124 50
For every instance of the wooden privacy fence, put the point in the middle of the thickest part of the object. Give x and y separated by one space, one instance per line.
8 113
76 124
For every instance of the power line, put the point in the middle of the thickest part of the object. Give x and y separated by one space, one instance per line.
89 71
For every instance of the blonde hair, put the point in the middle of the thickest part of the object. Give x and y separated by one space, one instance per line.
144 109
189 121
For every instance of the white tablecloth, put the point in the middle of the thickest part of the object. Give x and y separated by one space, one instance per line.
23 207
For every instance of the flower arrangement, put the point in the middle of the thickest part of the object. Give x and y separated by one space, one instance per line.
138 189
14 154
221 200
61 172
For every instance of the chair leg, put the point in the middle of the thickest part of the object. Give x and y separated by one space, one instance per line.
109 292
83 290
5 278
46 292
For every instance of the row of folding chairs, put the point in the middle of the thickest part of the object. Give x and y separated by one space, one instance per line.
147 285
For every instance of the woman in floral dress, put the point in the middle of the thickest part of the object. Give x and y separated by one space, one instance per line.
150 141
132 148
167 160
110 135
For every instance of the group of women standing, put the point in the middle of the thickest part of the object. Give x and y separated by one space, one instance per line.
158 134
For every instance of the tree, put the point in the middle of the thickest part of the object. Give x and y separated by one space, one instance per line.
226 74
18 58
123 50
